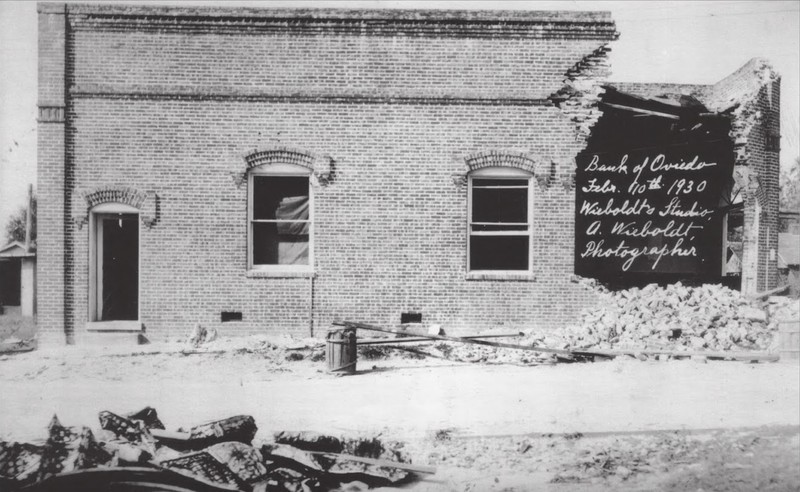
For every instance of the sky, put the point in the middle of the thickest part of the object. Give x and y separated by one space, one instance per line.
697 42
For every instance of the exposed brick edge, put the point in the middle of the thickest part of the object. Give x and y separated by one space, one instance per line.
145 201
579 97
321 167
747 179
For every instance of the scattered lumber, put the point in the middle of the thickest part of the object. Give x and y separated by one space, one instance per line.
745 356
380 341
364 326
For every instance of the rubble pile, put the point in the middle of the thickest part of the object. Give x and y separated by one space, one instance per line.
675 317
216 456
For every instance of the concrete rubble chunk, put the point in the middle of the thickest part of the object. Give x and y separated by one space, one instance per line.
227 465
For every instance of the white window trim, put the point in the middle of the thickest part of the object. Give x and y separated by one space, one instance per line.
287 170
95 274
500 173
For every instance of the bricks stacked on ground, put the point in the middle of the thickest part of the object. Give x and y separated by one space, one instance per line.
166 101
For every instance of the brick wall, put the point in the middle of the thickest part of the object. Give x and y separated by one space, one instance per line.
50 144
171 111
765 160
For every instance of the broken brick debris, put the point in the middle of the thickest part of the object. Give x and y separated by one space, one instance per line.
202 465
68 449
360 447
20 462
148 416
654 321
675 317
125 449
243 460
241 428
128 429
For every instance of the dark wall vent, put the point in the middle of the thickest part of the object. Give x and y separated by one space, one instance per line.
231 316
411 318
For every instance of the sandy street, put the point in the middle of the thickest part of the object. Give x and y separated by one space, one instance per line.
423 397
621 425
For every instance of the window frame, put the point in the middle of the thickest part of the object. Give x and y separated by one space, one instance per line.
279 170
499 173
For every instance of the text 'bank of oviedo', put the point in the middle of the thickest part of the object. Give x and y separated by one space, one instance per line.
261 170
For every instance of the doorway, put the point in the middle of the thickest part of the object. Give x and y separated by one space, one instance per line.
116 267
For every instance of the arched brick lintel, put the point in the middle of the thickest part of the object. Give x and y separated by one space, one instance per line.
320 166
144 201
545 170
523 161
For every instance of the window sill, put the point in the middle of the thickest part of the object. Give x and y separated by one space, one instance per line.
280 274
502 276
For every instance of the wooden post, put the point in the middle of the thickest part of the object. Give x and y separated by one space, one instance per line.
29 220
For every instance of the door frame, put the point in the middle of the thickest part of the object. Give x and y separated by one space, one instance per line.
106 210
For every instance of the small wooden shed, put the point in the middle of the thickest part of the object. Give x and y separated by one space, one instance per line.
18 277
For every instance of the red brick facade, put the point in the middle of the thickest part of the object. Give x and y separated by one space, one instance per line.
166 110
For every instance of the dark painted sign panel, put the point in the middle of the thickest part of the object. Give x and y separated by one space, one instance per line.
651 211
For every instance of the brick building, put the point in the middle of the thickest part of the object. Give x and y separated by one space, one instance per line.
274 170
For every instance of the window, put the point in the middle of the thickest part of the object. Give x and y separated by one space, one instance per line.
499 221
280 219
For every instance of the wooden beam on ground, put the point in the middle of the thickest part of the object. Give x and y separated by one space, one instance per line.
776 290
381 341
364 326
760 356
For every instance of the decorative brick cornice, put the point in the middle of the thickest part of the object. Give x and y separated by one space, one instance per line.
388 22
51 114
291 95
321 167
145 201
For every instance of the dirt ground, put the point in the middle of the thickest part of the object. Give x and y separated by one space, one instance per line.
614 425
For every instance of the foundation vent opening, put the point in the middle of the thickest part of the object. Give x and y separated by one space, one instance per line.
230 316
410 318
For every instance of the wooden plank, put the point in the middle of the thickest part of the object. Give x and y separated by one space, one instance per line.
641 111
762 356
776 290
380 341
364 326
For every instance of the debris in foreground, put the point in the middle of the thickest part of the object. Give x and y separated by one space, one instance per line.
674 321
214 456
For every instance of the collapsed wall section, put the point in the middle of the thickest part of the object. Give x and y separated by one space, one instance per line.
740 116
